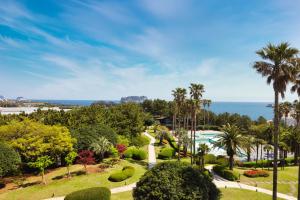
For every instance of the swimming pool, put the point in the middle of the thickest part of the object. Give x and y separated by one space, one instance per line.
208 137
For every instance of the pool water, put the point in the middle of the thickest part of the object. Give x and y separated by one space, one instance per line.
209 137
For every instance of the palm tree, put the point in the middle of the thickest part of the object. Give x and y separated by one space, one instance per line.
101 146
203 149
196 92
268 148
231 140
285 109
278 70
181 135
248 146
208 103
179 99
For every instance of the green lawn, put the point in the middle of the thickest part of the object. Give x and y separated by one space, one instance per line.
284 176
65 186
239 194
227 194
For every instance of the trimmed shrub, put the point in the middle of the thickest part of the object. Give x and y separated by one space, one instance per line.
166 153
139 154
136 154
126 173
129 152
210 159
221 160
225 173
95 193
256 173
230 175
175 180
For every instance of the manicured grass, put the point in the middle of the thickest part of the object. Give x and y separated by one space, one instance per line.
239 194
227 194
122 196
288 174
65 186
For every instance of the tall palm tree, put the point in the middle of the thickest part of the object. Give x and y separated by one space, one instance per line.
285 109
278 69
179 99
231 140
181 135
203 149
208 103
248 146
196 92
268 148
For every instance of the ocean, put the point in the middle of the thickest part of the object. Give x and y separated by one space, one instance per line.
252 109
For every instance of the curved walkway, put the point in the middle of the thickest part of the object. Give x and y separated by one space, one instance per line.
223 183
151 163
219 181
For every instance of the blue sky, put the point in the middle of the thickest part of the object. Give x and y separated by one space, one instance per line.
108 49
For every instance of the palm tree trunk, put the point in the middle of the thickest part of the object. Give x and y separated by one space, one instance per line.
231 162
178 152
256 155
195 127
248 154
191 153
298 175
268 159
276 133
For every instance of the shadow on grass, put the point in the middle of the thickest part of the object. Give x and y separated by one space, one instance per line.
76 173
140 162
24 185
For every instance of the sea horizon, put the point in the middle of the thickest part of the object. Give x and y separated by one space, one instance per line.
251 109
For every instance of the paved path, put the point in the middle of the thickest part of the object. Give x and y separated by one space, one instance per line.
223 183
151 163
219 181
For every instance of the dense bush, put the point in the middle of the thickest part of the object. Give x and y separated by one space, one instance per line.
139 154
126 173
96 193
166 153
222 160
175 180
134 153
256 173
210 159
225 173
209 127
140 141
9 160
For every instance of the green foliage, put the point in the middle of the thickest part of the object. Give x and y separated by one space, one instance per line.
33 139
136 154
113 152
41 163
123 140
140 141
175 180
210 159
101 146
96 193
9 160
87 135
139 154
225 173
222 160
166 153
126 173
69 159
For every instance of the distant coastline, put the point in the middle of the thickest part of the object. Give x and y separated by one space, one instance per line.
252 109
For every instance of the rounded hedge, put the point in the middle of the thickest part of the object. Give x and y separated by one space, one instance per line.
126 173
175 180
210 159
139 154
136 154
225 173
95 193
9 160
166 153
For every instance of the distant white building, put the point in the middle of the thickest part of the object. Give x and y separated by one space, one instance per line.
26 110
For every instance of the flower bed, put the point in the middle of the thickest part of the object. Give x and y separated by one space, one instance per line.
256 173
